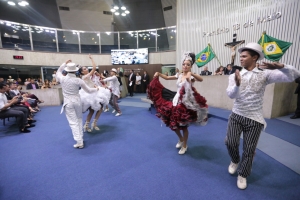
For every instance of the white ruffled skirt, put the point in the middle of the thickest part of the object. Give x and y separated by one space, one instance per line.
94 100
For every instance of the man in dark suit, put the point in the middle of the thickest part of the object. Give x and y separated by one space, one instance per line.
297 112
32 85
145 81
205 72
229 70
131 82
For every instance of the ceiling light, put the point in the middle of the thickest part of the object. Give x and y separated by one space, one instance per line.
47 31
123 8
112 10
108 33
11 3
23 3
116 7
1 22
123 14
117 13
8 24
52 32
127 12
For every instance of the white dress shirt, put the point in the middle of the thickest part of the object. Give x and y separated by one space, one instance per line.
3 100
114 85
249 95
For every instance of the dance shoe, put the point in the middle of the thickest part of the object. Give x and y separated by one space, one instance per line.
182 150
113 111
241 182
86 127
118 114
78 146
106 110
232 168
295 116
179 144
94 126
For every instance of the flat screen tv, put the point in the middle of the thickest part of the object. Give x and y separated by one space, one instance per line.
129 56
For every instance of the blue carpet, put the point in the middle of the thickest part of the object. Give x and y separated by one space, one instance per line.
132 157
281 129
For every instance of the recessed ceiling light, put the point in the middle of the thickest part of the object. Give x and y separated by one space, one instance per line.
127 12
117 13
123 14
11 3
112 10
116 7
123 8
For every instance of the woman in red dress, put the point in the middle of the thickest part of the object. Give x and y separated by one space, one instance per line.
178 110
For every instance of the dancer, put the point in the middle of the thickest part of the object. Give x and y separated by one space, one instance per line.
185 107
92 102
72 103
247 88
115 90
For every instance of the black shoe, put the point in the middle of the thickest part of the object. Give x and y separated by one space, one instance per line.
30 125
24 131
31 121
295 116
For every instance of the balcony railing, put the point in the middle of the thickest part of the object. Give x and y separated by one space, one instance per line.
36 38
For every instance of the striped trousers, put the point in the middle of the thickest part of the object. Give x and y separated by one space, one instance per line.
251 131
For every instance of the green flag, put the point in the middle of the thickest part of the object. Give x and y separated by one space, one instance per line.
272 47
205 56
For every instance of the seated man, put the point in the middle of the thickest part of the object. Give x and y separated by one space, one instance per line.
205 72
6 110
229 70
32 85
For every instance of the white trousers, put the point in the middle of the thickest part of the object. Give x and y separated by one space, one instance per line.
73 112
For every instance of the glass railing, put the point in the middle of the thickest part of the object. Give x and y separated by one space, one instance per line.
36 38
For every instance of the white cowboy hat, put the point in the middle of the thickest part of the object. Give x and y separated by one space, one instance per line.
254 47
71 67
114 70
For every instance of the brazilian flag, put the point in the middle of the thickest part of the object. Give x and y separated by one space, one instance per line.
272 47
205 56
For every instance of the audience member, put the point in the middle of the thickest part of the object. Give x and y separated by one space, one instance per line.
32 85
6 110
228 70
220 71
10 80
27 81
205 72
145 81
1 80
138 83
131 82
46 84
19 81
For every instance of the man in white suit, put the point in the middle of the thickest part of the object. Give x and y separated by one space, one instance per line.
72 104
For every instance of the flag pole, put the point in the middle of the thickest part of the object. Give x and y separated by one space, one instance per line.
214 53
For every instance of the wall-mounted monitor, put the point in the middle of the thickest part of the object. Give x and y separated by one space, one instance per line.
129 56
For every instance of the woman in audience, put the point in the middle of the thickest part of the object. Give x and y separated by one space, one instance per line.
46 84
180 109
27 81
19 81
92 101
138 85
220 71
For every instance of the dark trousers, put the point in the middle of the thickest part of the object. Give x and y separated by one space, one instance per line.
138 88
18 112
131 88
145 85
251 131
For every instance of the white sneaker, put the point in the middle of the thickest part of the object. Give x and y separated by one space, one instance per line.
241 182
182 150
106 110
78 145
113 111
118 114
232 168
179 144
